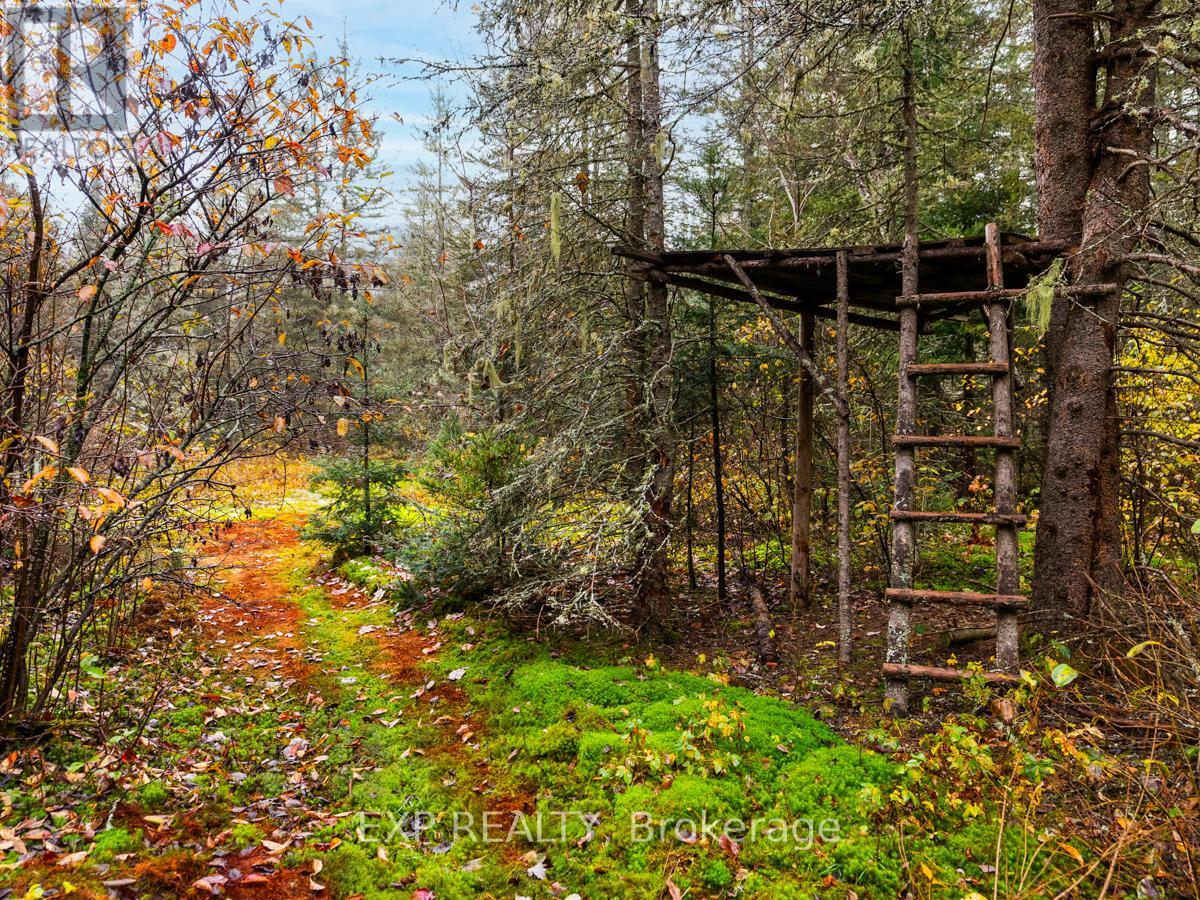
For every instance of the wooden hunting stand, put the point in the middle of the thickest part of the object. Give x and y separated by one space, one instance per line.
899 288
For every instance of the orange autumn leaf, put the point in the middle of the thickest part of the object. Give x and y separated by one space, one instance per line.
113 497
46 472
167 44
97 543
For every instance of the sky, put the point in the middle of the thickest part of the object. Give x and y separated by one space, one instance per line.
400 99
375 29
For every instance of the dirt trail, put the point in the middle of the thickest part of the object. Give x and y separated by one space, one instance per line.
253 616
255 620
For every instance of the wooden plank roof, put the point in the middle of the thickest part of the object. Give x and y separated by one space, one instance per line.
805 279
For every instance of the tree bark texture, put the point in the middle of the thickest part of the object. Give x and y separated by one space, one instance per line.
1091 158
845 612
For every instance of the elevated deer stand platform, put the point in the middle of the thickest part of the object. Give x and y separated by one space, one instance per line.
901 288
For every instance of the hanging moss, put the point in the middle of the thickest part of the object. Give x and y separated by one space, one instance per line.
1039 299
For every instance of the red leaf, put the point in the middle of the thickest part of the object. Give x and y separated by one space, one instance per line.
730 846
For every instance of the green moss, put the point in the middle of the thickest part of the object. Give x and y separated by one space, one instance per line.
557 741
715 874
113 842
551 730
366 573
153 795
596 746
355 869
830 781
187 715
245 834
683 803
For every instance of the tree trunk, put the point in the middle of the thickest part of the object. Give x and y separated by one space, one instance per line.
635 234
1089 197
904 533
652 587
802 485
845 614
714 407
690 513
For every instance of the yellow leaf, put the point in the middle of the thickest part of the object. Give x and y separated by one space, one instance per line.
1138 648
46 442
343 426
112 497
358 367
147 584
1071 852
282 338
97 543
79 474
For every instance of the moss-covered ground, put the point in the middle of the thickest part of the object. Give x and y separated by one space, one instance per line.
312 739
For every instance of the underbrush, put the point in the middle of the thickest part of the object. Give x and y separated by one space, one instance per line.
260 483
610 776
445 753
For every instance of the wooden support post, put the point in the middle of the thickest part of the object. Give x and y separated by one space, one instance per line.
1007 570
904 531
845 613
802 484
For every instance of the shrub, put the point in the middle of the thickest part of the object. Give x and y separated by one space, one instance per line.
471 485
365 502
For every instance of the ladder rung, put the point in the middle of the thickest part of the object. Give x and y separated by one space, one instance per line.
957 598
939 673
956 440
953 298
956 368
973 518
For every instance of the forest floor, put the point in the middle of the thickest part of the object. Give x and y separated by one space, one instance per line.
301 736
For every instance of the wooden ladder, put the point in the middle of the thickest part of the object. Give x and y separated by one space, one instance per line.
1007 601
